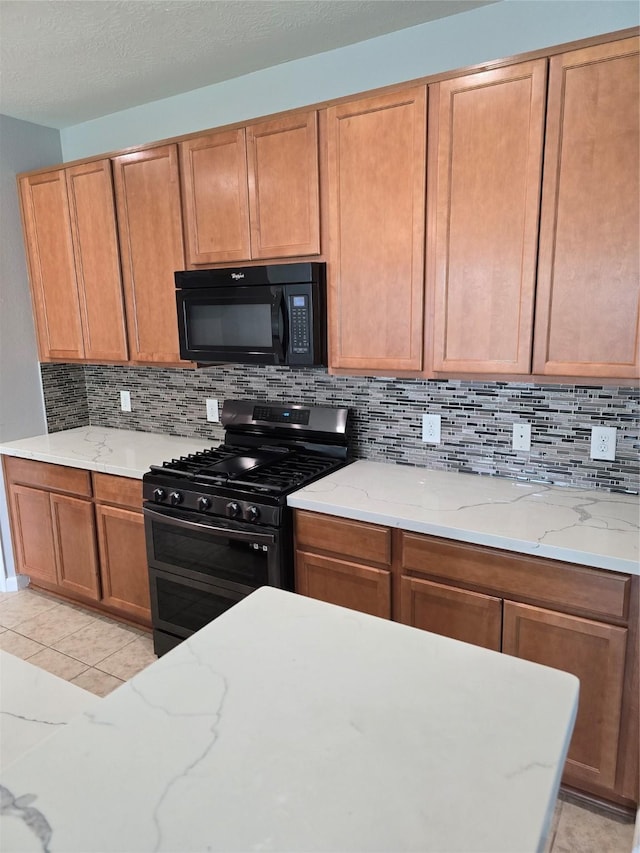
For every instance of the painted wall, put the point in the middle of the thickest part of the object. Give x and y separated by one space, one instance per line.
489 33
23 146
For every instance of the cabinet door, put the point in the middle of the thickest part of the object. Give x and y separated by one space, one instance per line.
97 260
216 207
595 653
587 306
32 531
282 159
150 226
486 133
123 559
75 538
377 161
346 584
47 227
457 613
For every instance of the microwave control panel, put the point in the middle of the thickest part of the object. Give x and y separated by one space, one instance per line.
300 314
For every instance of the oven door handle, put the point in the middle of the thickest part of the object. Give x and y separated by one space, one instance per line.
247 535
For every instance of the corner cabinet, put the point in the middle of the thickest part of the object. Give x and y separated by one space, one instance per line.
570 617
80 535
588 320
74 265
376 188
147 185
486 133
253 193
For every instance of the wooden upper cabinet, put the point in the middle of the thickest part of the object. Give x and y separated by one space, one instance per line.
486 133
216 205
52 273
252 193
377 165
588 278
147 188
282 160
97 260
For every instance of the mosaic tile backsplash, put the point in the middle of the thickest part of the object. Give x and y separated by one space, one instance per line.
477 417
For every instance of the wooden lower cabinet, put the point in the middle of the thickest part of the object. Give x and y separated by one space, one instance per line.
80 535
471 617
347 584
595 653
54 540
123 558
569 617
76 550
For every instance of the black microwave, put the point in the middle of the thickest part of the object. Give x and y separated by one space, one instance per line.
273 314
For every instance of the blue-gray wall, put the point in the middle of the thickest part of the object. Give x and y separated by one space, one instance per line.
23 146
485 34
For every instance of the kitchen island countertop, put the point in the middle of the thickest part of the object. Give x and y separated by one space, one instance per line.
590 527
289 724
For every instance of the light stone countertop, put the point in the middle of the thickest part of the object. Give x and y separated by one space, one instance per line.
34 704
590 527
112 451
288 724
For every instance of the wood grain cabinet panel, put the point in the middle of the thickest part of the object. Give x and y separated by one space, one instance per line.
377 166
282 160
595 653
216 204
74 264
50 258
588 279
462 615
32 530
75 540
486 132
347 584
97 260
123 558
147 186
368 543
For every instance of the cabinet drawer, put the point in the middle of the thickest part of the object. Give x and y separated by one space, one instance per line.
28 472
563 585
370 543
123 491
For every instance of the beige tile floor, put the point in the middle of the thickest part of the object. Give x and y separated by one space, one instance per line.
99 654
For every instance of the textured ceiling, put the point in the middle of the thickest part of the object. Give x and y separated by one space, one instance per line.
63 62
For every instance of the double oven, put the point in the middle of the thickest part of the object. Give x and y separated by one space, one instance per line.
217 524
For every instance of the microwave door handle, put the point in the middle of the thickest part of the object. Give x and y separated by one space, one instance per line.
279 325
249 536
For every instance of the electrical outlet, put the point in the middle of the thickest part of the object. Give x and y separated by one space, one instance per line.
521 436
125 401
212 411
431 429
603 443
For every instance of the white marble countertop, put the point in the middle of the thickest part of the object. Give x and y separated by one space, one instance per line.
111 451
586 526
33 705
288 724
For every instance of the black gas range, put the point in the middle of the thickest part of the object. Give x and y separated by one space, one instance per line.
217 523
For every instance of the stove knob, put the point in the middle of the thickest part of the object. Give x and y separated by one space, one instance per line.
233 509
253 513
175 498
203 504
159 495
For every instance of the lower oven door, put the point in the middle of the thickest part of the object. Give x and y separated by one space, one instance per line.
180 606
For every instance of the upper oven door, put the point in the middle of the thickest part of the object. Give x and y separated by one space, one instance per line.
245 324
228 553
